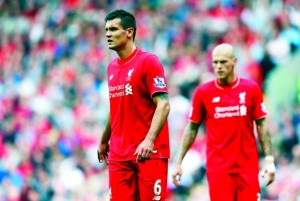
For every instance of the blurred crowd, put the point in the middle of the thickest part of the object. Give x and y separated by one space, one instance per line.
54 99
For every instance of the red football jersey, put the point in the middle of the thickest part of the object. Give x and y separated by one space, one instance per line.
132 83
229 113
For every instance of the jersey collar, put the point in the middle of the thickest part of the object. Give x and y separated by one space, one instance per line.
231 85
129 58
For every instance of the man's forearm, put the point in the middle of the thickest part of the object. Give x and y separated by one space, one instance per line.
159 119
189 135
264 137
160 116
107 132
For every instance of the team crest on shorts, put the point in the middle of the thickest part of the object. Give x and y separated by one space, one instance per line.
159 82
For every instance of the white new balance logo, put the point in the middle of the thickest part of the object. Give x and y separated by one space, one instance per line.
128 89
216 99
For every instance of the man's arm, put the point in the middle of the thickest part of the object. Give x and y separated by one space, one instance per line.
104 142
266 145
189 136
145 149
264 137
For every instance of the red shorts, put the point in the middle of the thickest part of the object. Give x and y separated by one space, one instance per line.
142 181
233 186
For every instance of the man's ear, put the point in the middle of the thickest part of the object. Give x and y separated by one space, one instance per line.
235 60
130 32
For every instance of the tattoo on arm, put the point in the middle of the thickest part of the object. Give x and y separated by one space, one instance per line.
162 96
188 139
264 137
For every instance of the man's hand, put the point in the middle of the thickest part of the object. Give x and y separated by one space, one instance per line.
269 168
144 150
103 153
176 175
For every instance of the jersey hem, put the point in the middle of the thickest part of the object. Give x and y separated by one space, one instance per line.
133 159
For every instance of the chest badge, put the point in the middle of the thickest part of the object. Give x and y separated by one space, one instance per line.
129 74
242 98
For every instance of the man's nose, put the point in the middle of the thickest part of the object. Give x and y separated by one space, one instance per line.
218 65
108 34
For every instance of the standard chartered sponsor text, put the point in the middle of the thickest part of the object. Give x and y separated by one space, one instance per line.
229 111
116 91
120 90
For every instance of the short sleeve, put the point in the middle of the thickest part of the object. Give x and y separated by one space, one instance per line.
259 107
155 76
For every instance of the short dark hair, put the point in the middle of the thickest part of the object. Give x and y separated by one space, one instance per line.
127 19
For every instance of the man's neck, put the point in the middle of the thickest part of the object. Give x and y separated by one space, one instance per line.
228 80
126 52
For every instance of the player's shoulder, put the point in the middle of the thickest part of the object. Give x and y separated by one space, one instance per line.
248 83
208 85
142 54
113 63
